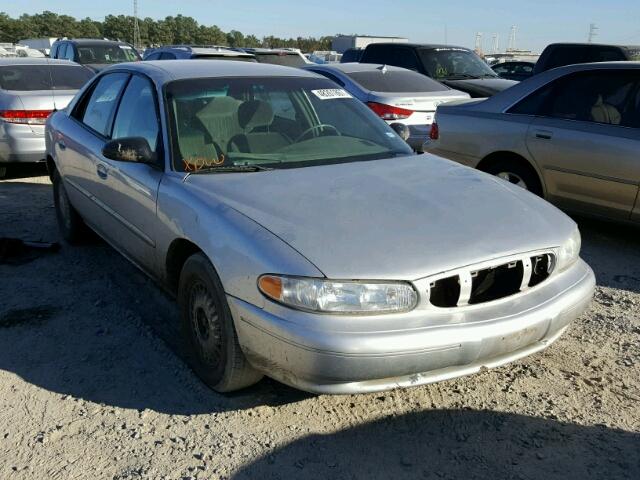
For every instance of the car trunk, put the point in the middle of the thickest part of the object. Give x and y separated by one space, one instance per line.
423 104
41 100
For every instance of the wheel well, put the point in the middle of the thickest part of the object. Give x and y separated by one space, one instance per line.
179 250
51 167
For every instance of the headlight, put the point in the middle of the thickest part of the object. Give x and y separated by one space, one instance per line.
569 251
331 296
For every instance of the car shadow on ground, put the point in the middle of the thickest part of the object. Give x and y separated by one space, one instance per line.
620 267
23 170
456 444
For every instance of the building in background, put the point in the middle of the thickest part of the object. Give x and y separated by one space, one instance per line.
341 43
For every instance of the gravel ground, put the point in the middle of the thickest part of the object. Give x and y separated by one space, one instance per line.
92 385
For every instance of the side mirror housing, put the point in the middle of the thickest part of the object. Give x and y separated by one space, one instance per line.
401 129
131 149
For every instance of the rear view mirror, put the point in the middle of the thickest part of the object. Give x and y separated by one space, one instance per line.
401 129
132 149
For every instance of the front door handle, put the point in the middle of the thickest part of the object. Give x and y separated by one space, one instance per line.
544 134
101 170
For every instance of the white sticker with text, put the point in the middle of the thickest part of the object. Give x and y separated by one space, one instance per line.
330 93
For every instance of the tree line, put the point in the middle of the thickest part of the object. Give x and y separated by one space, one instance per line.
171 30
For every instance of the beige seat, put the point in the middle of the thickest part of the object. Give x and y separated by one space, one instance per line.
220 119
604 113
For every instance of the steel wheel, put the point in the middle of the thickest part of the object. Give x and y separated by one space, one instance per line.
205 325
513 178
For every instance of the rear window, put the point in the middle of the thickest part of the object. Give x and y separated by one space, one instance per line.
287 59
40 77
396 81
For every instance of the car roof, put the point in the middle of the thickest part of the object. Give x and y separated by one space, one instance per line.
36 61
353 67
92 41
426 46
164 71
202 50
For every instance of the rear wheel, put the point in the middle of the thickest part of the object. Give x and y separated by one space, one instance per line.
516 173
70 223
210 335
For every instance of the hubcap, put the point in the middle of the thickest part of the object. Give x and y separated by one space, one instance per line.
205 325
513 178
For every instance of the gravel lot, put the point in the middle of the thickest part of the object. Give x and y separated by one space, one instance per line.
92 386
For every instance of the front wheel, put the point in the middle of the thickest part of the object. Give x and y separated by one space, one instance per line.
210 336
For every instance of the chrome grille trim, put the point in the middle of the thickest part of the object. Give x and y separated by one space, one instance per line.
466 275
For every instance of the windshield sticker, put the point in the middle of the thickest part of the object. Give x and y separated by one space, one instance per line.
125 47
330 93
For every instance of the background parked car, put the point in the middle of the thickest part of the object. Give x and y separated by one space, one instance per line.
30 89
277 56
456 67
395 94
571 134
179 52
561 54
514 70
94 53
352 55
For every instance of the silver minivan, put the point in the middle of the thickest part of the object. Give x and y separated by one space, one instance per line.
30 89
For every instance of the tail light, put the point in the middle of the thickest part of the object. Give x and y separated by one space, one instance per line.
26 117
389 112
434 133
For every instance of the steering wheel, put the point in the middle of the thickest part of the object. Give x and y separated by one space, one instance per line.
316 127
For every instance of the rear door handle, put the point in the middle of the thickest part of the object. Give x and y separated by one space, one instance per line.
544 134
101 170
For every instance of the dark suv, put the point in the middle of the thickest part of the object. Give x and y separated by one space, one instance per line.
94 53
561 54
456 67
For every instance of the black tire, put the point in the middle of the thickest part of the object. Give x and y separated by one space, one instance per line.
211 341
518 173
72 227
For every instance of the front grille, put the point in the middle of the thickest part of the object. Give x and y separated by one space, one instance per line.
474 286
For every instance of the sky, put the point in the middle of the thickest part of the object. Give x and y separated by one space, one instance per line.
538 22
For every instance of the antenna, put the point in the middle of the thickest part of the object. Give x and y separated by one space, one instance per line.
593 32
136 27
512 39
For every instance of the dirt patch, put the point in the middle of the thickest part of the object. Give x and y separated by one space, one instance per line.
100 391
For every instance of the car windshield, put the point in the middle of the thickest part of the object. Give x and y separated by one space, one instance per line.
383 80
43 77
89 54
278 122
286 59
454 63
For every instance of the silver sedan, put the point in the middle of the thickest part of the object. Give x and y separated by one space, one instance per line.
571 135
30 89
302 237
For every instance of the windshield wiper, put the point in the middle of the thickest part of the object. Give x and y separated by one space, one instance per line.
229 169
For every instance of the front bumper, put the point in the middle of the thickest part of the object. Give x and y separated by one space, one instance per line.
20 143
424 347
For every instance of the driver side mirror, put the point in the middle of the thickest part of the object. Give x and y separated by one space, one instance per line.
131 149
401 129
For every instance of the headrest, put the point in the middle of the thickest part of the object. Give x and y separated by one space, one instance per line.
220 106
255 113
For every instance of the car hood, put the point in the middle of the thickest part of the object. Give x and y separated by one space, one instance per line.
402 218
480 87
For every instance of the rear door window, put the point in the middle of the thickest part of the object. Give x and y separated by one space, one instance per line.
395 81
100 108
